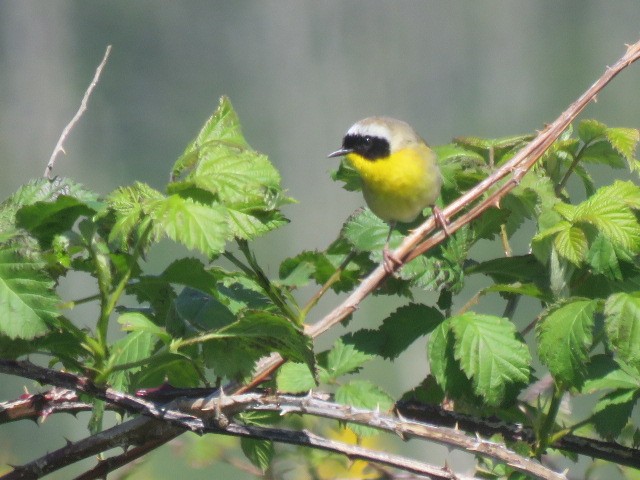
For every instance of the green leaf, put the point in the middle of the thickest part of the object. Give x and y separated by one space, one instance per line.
236 175
28 302
223 126
259 452
601 151
134 347
624 141
565 335
231 358
129 205
344 358
137 322
518 268
42 190
589 130
603 373
295 378
190 272
405 326
366 232
613 411
491 355
196 226
247 224
174 369
263 333
603 258
347 174
622 312
444 366
202 312
526 289
363 394
572 244
611 217
44 220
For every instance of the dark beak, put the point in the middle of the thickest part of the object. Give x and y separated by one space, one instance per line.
340 153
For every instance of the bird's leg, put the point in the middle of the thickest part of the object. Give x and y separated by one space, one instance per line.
441 220
389 260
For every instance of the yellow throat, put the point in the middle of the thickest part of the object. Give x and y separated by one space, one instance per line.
399 172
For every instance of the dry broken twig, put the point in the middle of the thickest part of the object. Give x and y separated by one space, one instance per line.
59 148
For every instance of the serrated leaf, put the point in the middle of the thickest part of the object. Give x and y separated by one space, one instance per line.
248 226
363 394
589 130
491 355
134 347
177 370
263 333
42 190
44 220
236 175
623 140
565 335
572 244
601 151
295 377
611 217
622 312
129 204
201 311
603 259
231 358
190 272
28 302
344 358
366 232
404 326
603 373
223 125
137 322
518 268
443 364
625 191
259 452
347 174
196 226
612 412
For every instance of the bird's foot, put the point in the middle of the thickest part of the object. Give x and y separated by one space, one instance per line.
441 220
390 261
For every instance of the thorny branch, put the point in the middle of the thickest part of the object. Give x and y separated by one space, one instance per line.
215 416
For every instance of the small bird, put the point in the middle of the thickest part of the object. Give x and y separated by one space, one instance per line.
399 172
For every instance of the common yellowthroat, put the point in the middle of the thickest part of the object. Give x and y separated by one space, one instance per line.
400 174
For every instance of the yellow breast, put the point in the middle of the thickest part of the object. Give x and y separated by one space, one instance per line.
400 186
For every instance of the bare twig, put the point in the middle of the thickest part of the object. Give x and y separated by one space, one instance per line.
59 148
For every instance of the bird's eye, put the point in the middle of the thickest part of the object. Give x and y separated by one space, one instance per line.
367 139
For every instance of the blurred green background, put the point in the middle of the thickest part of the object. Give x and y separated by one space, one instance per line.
299 74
